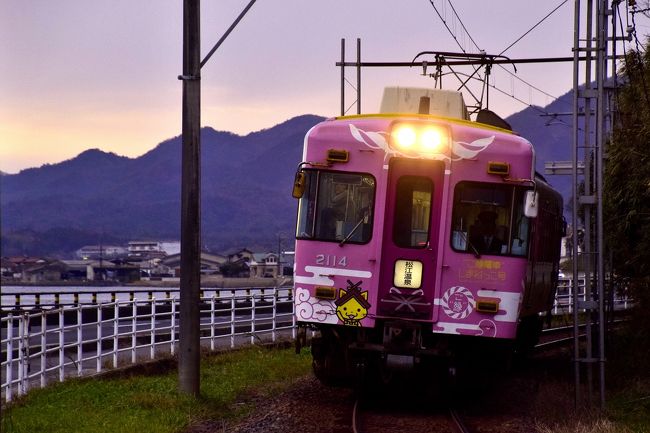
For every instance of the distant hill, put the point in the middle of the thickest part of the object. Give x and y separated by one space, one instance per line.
246 180
101 197
551 137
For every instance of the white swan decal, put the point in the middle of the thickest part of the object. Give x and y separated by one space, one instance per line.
376 138
470 150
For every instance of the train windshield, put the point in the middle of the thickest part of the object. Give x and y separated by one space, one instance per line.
489 219
336 207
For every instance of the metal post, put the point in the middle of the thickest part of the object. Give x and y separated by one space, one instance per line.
342 77
592 199
279 273
21 356
574 213
587 260
358 75
44 348
134 331
116 332
98 361
80 353
601 69
189 355
10 357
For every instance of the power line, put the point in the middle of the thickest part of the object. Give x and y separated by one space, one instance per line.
444 21
520 38
478 48
531 85
463 25
534 107
533 27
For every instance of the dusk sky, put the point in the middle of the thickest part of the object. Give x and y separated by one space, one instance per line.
81 74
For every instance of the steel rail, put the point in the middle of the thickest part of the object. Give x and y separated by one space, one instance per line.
458 422
355 418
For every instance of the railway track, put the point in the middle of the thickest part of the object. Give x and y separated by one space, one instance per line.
563 335
407 412
368 417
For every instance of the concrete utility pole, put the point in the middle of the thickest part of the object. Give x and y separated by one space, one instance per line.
189 360
189 356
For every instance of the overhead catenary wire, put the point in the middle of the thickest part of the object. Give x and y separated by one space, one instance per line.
527 104
523 36
463 25
444 21
533 27
519 39
449 30
476 69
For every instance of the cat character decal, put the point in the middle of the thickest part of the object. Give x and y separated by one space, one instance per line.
352 304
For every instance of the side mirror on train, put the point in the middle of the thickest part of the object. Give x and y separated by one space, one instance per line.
530 204
298 185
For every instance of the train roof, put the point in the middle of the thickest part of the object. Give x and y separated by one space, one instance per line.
426 103
428 117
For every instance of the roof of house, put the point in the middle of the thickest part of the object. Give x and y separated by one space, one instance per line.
206 258
54 265
261 257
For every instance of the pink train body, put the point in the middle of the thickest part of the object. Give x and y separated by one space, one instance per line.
407 253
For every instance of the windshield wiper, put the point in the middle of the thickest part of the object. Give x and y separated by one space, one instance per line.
476 253
354 229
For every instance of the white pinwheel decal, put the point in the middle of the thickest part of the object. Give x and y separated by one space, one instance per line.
459 149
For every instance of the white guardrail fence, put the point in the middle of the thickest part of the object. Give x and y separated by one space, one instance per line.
564 296
76 336
50 335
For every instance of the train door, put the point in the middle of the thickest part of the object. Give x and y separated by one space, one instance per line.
409 252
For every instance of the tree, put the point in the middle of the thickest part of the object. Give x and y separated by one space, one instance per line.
233 269
627 181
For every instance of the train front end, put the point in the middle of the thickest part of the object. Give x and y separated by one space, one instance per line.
412 239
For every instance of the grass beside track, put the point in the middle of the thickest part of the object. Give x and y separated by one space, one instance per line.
130 401
145 398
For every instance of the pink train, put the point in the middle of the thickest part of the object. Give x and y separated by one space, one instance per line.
421 236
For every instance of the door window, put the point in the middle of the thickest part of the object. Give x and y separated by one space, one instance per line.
412 212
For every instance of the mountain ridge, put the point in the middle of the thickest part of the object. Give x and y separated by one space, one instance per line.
245 195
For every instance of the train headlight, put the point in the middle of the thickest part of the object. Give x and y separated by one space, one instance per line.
419 138
404 136
432 140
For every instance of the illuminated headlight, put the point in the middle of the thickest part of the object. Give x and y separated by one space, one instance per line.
404 136
419 138
407 274
432 140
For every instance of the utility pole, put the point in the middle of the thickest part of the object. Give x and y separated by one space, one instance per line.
189 360
189 356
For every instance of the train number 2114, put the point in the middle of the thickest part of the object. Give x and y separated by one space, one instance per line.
331 260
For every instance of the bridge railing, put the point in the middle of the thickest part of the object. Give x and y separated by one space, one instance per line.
43 345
